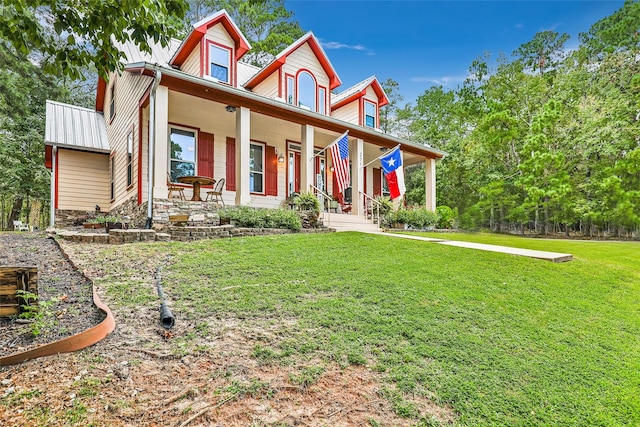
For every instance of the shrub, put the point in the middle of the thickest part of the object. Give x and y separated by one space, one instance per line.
447 217
418 218
307 202
244 216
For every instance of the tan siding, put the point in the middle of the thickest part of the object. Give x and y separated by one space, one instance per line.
129 90
218 34
83 181
304 58
269 87
192 63
349 113
371 95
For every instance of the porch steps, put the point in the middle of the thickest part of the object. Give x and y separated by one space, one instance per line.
345 222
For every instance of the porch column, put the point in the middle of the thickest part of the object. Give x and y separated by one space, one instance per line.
306 155
430 184
161 151
357 176
243 142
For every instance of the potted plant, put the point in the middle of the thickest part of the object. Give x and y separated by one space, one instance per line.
114 223
93 223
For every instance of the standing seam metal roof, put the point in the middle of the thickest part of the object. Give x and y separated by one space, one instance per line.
75 127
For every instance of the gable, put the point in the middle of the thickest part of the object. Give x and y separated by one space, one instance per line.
217 27
309 46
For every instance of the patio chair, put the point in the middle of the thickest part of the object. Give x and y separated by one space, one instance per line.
19 226
216 193
174 188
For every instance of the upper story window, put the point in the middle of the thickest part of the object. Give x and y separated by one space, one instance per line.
182 153
112 101
322 100
370 114
291 90
220 63
306 90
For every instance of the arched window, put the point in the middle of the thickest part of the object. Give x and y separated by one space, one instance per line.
306 91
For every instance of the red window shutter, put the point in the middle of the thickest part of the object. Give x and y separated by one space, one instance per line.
205 155
231 164
377 182
48 156
271 177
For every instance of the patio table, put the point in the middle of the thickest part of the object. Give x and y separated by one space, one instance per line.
197 182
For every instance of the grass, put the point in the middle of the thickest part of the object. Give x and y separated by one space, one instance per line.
503 340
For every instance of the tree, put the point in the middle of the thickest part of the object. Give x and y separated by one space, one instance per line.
73 35
544 51
393 117
267 25
615 33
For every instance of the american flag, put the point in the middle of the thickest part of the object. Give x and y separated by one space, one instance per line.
340 159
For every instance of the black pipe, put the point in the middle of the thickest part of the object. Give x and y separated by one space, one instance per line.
166 317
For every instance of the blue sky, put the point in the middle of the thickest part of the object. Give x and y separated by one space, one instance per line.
423 43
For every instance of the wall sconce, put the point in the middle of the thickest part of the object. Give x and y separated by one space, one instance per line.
281 158
331 168
230 109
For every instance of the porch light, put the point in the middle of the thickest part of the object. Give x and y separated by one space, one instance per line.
331 168
281 158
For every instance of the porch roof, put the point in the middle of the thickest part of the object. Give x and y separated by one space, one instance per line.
75 127
219 92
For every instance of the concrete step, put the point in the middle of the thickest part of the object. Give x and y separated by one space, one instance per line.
344 222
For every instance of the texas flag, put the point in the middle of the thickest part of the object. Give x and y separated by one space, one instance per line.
392 166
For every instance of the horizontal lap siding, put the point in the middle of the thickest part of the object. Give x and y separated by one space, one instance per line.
192 64
218 34
304 58
269 87
349 113
129 91
83 181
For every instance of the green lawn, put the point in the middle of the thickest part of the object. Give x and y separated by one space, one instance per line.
503 340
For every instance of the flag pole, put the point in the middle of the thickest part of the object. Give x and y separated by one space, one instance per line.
386 153
329 146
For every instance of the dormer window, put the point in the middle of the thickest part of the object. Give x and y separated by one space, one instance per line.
370 114
306 91
220 63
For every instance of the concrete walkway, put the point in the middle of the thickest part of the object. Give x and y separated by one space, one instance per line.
544 255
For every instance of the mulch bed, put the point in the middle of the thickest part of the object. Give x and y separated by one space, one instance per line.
71 309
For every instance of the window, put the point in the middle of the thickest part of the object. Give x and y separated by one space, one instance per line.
291 90
130 158
219 63
256 168
112 178
369 114
322 100
306 91
182 156
112 101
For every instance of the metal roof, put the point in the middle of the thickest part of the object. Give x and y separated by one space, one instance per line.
335 98
75 127
159 55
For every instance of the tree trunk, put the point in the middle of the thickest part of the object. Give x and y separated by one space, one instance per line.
14 215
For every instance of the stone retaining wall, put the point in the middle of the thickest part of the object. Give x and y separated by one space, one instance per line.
181 234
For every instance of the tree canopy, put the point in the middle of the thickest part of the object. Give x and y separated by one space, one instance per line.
74 35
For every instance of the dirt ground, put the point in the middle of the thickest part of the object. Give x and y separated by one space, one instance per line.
132 378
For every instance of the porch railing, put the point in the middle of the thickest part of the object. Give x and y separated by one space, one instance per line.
321 195
369 204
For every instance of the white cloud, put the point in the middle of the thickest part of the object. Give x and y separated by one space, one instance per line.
519 26
338 45
445 81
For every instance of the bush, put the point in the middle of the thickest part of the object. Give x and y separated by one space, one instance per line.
447 217
307 202
418 218
244 216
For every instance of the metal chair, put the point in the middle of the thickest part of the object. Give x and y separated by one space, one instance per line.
216 193
173 188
